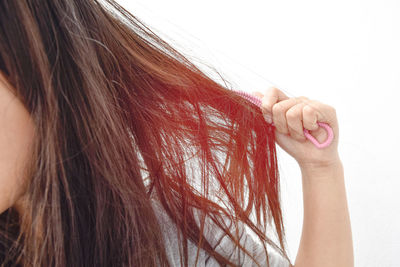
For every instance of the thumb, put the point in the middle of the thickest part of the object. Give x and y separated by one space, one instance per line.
258 94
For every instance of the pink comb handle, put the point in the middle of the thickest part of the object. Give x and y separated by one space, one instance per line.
257 101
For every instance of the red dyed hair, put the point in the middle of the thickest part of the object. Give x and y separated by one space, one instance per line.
95 80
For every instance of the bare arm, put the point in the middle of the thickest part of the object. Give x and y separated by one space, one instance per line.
326 238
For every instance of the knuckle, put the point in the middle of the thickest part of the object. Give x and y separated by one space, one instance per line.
277 108
266 106
273 89
332 109
303 98
290 115
308 109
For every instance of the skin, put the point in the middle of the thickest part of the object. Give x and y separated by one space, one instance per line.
290 116
326 238
16 134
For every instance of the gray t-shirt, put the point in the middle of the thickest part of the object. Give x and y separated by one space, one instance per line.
224 246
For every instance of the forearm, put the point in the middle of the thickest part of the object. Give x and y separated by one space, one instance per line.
326 238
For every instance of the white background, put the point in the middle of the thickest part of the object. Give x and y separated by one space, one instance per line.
345 53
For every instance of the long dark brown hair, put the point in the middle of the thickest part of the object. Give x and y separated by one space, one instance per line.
118 116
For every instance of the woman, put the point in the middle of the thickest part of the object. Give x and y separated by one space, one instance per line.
101 119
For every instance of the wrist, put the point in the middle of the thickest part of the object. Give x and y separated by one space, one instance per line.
321 169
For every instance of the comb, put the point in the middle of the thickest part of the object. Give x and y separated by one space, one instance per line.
257 101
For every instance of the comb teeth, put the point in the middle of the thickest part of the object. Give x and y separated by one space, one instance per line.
254 99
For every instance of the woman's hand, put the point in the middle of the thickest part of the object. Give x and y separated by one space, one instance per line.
290 116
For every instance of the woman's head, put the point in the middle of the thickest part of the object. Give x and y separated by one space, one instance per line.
107 116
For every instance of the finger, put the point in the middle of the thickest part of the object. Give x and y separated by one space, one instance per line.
258 94
279 114
310 118
294 117
272 96
312 113
323 113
